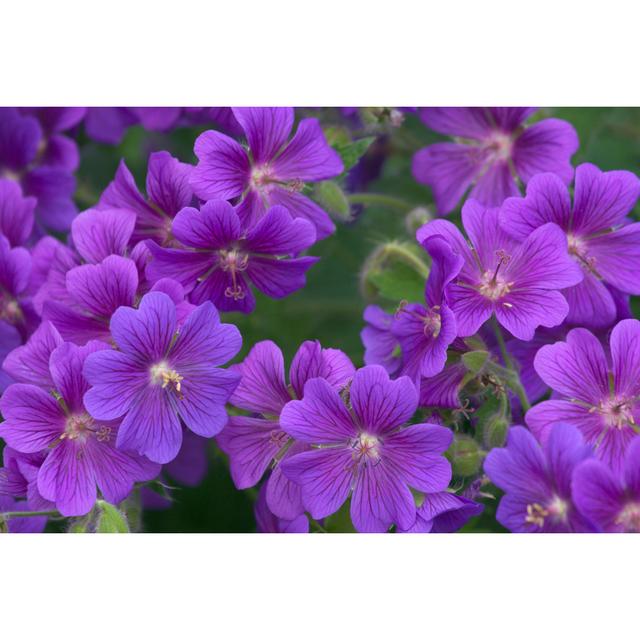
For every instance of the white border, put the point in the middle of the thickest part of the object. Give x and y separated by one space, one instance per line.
329 52
321 586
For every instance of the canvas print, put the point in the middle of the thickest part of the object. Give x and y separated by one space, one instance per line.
319 319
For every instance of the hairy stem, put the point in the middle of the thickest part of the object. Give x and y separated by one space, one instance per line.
378 199
516 385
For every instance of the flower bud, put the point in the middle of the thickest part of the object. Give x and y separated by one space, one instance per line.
474 361
465 456
416 218
332 198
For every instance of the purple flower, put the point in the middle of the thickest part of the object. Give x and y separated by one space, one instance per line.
442 391
600 237
444 512
10 339
256 442
80 451
267 522
223 259
160 375
96 290
43 167
516 281
425 333
30 524
380 344
29 363
19 478
168 191
16 307
610 500
16 213
108 124
495 150
96 235
365 448
273 171
602 402
537 481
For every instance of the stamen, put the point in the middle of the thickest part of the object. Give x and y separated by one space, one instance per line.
162 374
536 514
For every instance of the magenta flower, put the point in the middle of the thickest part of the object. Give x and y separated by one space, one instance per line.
365 449
495 150
537 481
273 171
222 259
602 402
519 282
600 237
611 500
256 442
168 191
160 375
80 451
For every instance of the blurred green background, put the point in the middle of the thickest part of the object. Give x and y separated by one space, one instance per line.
330 307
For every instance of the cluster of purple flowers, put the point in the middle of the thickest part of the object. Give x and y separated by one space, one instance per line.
113 349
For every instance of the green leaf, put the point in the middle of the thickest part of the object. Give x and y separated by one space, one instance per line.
110 519
353 151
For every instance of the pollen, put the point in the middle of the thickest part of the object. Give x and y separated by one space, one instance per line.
163 374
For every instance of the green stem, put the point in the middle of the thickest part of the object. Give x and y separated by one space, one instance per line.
508 362
26 514
379 199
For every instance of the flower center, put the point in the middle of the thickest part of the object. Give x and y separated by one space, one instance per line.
493 284
617 412
578 250
233 261
10 310
78 427
431 319
163 374
261 176
499 146
537 514
629 517
366 448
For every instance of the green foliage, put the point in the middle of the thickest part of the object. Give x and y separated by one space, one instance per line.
353 151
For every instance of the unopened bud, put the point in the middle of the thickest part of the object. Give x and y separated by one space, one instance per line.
474 361
465 456
416 218
332 198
